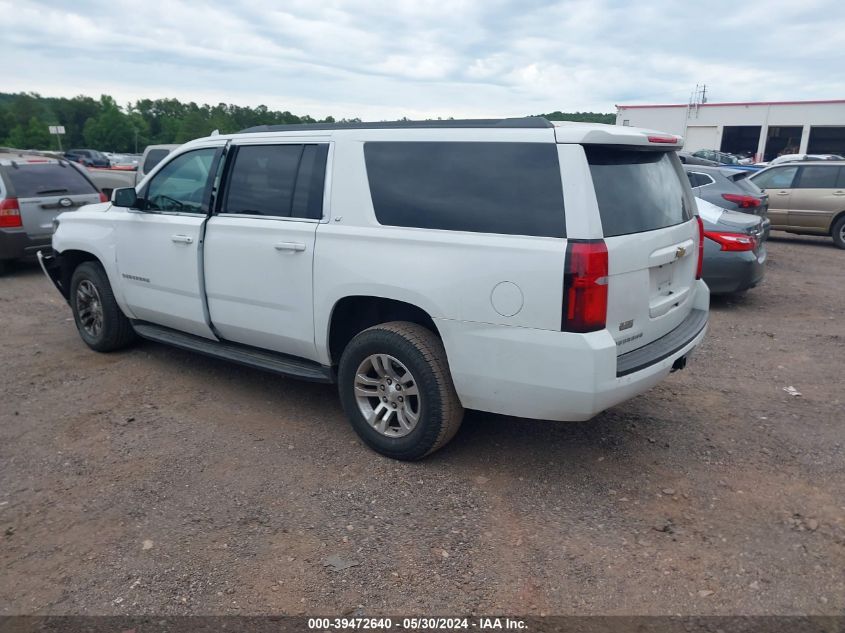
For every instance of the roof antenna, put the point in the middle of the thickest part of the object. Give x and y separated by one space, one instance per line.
215 133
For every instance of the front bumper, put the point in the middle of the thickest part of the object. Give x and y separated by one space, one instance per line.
53 270
557 375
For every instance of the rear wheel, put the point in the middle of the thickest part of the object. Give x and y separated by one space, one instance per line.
397 392
100 321
838 232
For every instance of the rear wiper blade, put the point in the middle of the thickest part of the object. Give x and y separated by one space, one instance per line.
51 191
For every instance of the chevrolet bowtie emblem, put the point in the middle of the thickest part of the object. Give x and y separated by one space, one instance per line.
680 252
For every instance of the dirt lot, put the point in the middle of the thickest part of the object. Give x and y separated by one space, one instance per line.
158 481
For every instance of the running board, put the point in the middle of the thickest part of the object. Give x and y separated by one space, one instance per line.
241 354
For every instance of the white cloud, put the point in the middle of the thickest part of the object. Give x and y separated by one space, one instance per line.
389 58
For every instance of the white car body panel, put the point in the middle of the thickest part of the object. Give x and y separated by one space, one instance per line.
496 300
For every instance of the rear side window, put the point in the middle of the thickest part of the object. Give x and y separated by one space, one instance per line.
637 191
780 178
504 188
277 181
697 179
817 177
154 157
47 179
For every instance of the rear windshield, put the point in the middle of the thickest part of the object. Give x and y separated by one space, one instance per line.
505 188
47 179
154 157
637 191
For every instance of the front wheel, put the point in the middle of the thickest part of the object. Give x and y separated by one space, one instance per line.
838 232
397 392
100 321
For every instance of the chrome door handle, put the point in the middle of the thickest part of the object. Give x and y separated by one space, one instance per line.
783 193
182 239
839 193
296 247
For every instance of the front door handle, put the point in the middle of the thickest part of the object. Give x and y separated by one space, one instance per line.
839 193
182 239
296 247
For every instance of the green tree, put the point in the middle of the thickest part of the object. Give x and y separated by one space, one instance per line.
110 130
33 135
194 125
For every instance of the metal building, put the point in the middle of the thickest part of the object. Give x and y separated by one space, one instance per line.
763 129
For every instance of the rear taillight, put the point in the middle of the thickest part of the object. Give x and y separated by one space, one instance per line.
103 197
585 287
700 263
10 213
732 241
744 202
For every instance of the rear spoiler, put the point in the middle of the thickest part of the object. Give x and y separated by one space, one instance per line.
598 134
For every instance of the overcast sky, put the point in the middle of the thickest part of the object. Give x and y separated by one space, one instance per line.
384 59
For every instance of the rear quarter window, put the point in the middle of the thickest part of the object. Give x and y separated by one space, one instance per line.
504 188
47 179
637 190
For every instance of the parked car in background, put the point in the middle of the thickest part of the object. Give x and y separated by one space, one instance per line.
33 191
806 197
110 179
734 249
442 273
793 158
88 157
728 189
689 159
724 158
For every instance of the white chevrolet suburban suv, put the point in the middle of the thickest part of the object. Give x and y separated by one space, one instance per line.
517 266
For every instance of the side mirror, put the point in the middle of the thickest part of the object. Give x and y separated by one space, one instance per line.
125 197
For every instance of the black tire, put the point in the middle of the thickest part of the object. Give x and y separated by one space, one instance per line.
422 353
837 232
115 331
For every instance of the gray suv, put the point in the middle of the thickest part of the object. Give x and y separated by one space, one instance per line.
33 191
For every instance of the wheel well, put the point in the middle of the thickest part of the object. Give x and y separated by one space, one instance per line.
352 315
835 219
70 260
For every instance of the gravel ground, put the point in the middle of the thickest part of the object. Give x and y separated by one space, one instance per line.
159 481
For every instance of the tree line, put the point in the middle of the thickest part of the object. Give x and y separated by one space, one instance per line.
103 124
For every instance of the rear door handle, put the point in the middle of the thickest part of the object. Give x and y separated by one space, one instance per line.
783 193
296 247
839 193
182 239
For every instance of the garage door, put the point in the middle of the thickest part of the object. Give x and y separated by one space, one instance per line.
701 137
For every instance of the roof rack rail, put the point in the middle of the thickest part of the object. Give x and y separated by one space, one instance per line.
523 122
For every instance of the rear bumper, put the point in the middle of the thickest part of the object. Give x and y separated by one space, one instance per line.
557 375
734 271
16 244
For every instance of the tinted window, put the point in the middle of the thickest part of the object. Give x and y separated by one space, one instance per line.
506 188
780 178
697 179
47 179
277 180
840 182
817 177
180 185
154 157
636 190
